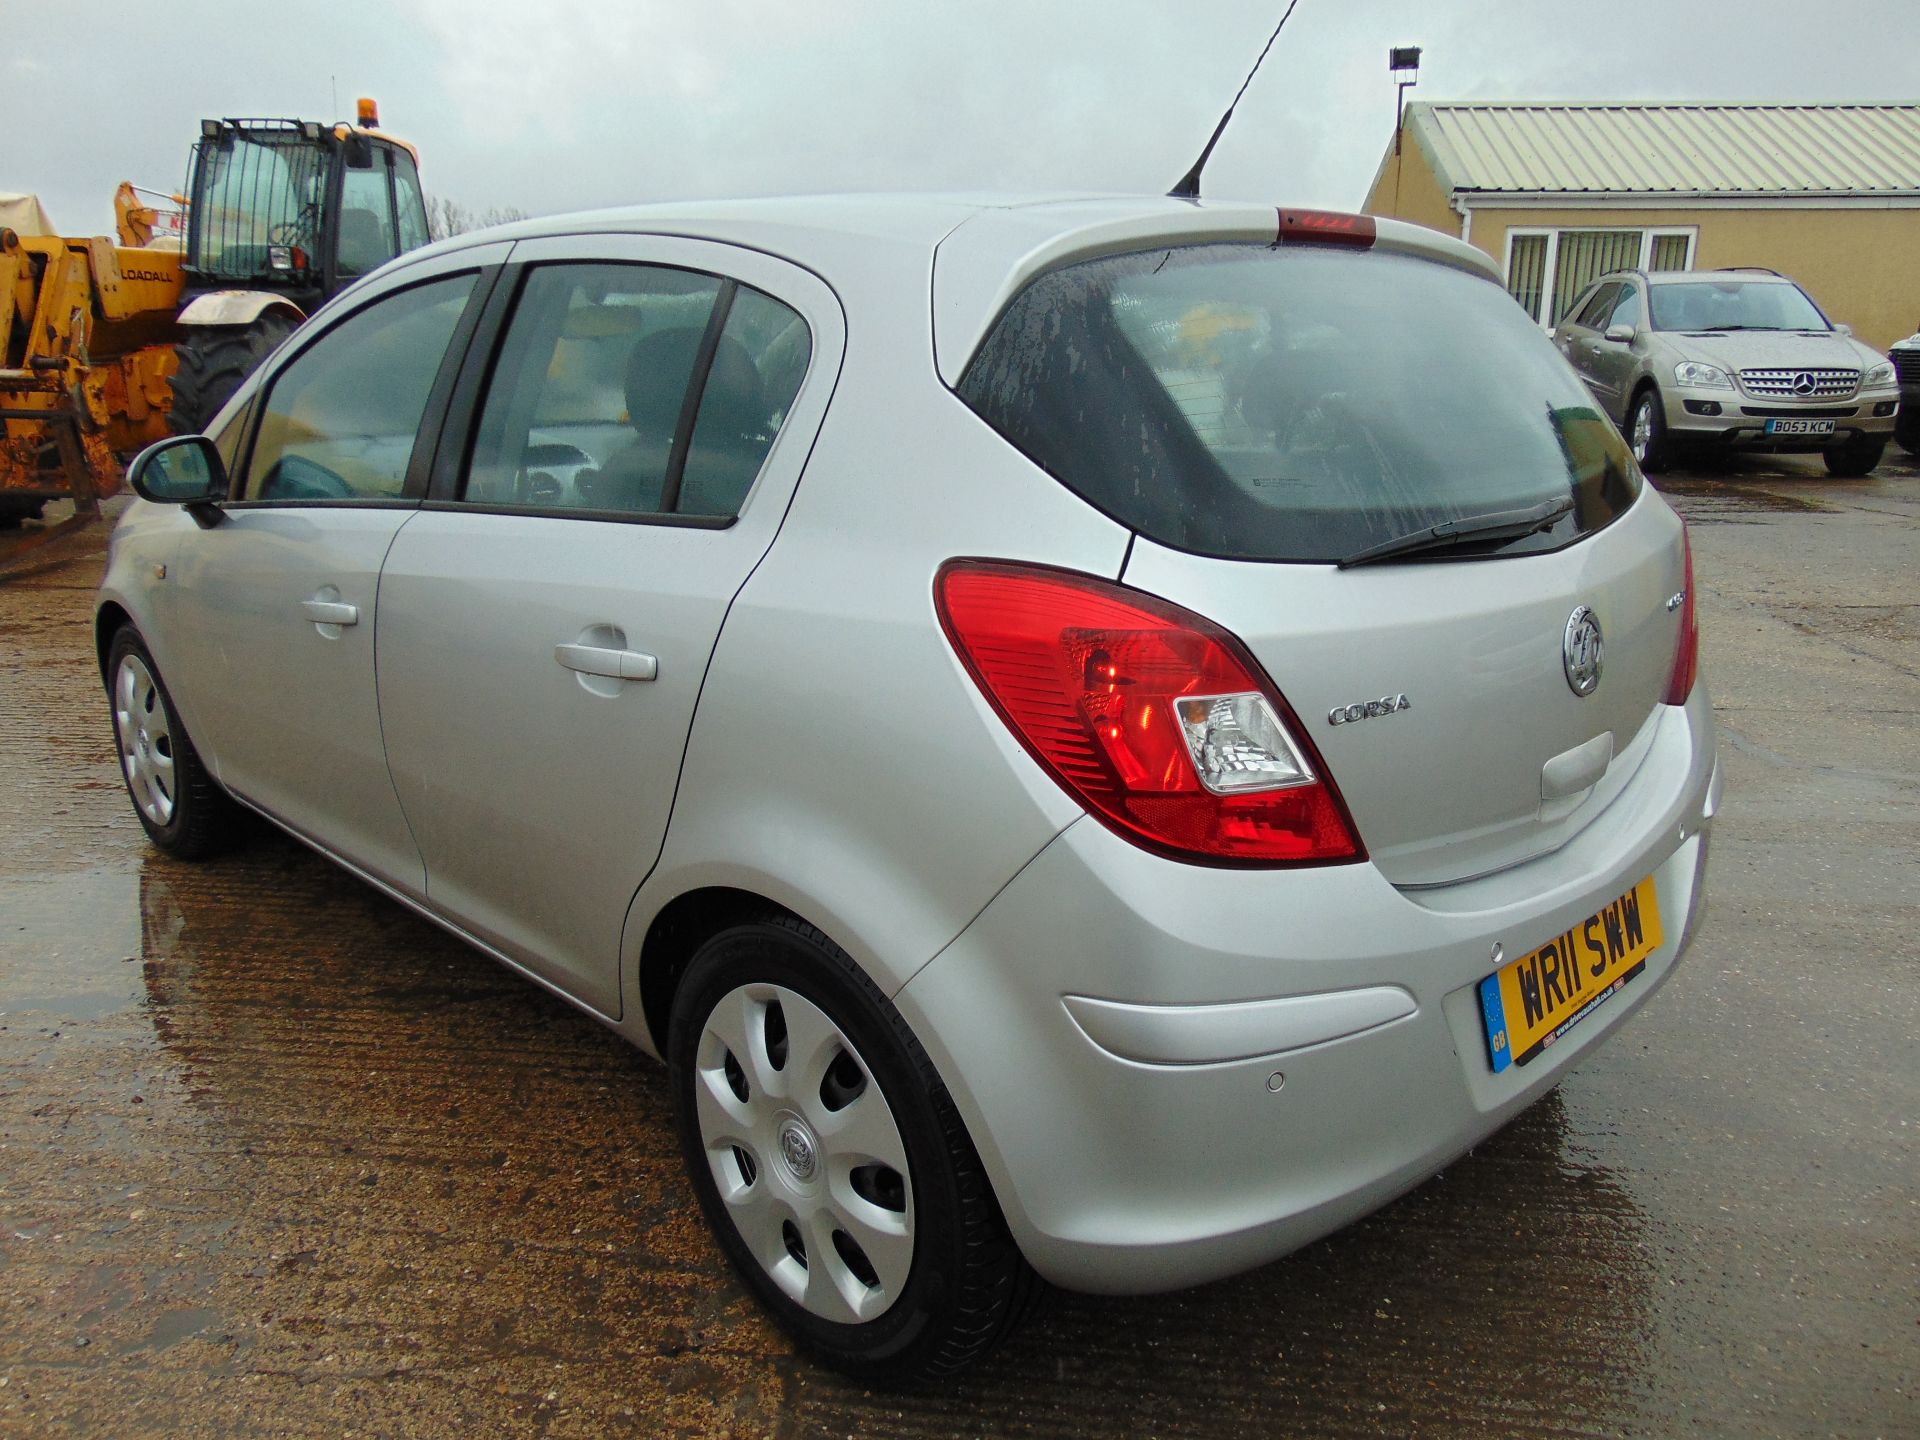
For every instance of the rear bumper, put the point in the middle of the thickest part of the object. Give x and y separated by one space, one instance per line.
1113 1027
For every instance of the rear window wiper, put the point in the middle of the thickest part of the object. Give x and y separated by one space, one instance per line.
1449 534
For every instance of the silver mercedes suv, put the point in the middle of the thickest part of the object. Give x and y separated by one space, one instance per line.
1725 360
1071 784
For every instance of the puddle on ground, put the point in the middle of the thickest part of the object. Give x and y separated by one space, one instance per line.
70 944
173 1326
1737 500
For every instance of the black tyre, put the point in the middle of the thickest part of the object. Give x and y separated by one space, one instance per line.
182 809
1647 432
1857 457
17 508
212 360
831 1163
1907 428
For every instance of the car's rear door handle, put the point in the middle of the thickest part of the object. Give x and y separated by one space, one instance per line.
330 612
614 664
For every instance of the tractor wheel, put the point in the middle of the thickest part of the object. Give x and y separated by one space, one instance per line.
213 360
15 508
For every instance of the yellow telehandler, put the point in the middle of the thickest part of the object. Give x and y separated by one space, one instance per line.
106 346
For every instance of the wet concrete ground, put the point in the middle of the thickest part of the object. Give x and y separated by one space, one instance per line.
278 1159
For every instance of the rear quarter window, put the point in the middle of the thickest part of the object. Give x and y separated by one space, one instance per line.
1294 404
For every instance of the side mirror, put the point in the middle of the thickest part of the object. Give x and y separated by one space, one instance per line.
359 153
1843 329
185 470
1620 334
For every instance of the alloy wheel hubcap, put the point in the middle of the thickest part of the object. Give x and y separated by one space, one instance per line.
805 1153
145 736
1642 431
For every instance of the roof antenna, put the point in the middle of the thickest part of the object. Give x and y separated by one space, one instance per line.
1189 186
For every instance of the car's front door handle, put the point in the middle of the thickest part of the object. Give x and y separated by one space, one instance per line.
330 612
614 664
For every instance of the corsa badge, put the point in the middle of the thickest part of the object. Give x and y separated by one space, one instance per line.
1368 709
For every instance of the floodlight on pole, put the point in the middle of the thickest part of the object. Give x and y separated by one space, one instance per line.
1404 62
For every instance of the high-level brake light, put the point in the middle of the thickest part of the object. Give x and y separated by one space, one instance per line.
1155 719
1327 227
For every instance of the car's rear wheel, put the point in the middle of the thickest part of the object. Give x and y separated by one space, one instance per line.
1647 433
831 1162
1857 457
180 806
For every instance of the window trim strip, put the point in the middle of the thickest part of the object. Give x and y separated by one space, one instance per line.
672 520
696 392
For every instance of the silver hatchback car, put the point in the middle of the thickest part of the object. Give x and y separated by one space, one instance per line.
1074 785
1729 360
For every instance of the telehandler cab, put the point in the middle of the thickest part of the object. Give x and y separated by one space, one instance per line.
105 347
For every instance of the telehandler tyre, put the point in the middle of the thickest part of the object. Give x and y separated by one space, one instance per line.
213 360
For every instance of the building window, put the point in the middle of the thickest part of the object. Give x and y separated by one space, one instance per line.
1527 271
1670 252
1548 269
1583 256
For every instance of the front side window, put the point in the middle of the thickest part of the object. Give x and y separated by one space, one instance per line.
1593 313
1727 304
339 422
1626 310
1294 404
412 205
588 405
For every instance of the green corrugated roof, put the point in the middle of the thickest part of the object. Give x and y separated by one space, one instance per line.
1662 149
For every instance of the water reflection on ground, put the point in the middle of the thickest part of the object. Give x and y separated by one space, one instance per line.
371 1166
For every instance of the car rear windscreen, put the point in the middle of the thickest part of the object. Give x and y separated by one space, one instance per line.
1298 403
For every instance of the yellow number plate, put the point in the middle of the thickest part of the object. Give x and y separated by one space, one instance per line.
1539 997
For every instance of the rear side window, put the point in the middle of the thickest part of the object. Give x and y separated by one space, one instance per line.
587 392
757 369
1295 404
588 405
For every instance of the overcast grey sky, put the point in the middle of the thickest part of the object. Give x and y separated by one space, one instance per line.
579 103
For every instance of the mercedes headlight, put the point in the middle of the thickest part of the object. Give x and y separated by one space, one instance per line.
1701 377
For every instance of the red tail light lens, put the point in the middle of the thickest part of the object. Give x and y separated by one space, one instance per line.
1686 653
1158 721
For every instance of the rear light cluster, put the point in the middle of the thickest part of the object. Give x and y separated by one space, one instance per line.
1158 721
1686 652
